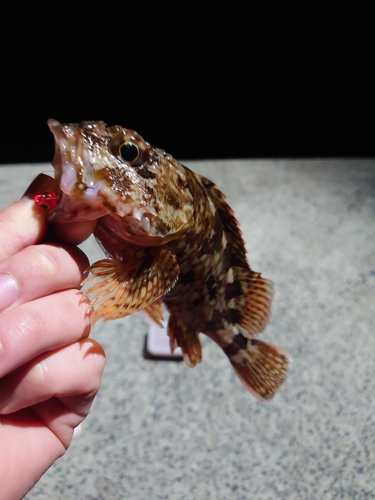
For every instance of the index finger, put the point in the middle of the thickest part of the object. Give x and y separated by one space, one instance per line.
23 223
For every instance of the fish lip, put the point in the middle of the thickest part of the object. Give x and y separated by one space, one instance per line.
75 210
127 232
56 128
130 229
61 157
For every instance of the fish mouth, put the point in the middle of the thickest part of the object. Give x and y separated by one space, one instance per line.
73 169
79 193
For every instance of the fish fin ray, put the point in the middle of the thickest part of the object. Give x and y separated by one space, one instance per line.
254 303
155 312
229 222
188 340
261 367
120 290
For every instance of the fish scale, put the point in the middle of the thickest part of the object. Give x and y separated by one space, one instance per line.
171 239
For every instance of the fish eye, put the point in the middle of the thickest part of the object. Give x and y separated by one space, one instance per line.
129 152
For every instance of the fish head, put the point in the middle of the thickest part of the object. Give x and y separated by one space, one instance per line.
111 172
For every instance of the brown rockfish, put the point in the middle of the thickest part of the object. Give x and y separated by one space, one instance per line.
171 239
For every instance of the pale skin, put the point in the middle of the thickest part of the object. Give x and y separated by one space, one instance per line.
50 371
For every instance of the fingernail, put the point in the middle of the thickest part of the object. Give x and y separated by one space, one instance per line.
41 183
9 291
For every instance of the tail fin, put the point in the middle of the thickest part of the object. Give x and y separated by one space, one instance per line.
261 367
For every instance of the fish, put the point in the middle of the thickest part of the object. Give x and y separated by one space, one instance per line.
172 243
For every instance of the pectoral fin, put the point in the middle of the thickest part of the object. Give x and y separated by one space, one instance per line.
120 290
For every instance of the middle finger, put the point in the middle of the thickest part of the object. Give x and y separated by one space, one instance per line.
41 325
39 270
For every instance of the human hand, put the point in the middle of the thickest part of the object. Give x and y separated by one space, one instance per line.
50 370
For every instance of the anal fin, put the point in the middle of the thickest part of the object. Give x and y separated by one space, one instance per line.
188 340
119 289
155 312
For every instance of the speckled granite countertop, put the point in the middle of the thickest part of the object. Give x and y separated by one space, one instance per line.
159 430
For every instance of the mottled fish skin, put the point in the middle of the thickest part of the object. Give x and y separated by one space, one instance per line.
171 238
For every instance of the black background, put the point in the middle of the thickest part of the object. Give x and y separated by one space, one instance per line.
197 132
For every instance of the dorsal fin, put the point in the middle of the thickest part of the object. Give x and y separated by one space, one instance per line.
252 304
248 294
230 225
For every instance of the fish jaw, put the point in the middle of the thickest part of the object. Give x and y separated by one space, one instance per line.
82 192
95 182
73 170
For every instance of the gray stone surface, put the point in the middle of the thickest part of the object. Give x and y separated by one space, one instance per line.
159 430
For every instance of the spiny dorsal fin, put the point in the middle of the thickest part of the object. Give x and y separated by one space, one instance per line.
230 225
250 293
120 290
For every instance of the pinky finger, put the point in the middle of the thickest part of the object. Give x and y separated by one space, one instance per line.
71 374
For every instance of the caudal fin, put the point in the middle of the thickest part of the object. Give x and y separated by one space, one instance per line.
261 367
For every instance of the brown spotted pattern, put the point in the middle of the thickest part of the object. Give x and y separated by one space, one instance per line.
171 238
